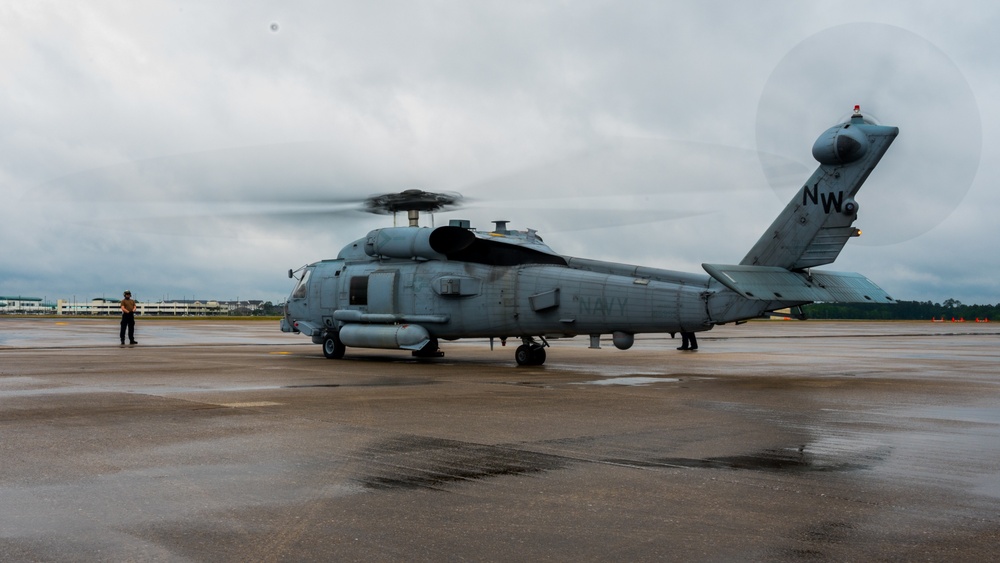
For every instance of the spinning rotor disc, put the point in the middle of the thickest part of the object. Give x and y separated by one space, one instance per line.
412 200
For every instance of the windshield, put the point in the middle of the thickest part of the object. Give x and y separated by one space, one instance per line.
303 287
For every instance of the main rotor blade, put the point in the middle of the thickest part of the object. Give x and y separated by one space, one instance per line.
284 186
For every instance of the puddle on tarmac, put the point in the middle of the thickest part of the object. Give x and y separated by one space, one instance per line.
629 381
615 375
415 462
603 370
786 460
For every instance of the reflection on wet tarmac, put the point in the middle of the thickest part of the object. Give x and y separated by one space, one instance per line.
630 381
103 331
418 462
781 460
777 441
602 369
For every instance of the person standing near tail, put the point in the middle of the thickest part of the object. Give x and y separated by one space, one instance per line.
128 318
689 341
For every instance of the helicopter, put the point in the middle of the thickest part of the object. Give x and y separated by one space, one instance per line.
411 287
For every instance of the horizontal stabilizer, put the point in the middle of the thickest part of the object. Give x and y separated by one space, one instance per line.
771 283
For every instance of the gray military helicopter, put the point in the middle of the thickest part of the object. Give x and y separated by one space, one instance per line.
412 287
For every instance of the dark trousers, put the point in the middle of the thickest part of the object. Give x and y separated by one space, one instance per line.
128 322
688 341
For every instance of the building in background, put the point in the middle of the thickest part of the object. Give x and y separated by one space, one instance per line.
245 307
102 306
25 306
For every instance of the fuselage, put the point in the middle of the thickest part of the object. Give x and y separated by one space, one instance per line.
452 299
455 299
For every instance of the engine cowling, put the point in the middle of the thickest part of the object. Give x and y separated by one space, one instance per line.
411 242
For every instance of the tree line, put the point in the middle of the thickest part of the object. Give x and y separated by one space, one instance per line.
903 311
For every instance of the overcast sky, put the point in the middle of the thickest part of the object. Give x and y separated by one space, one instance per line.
171 147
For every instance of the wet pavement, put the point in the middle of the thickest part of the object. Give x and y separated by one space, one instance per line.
230 441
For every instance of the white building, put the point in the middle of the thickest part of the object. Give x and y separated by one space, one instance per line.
101 306
24 306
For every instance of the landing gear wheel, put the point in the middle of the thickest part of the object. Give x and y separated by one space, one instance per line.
527 355
523 355
538 356
333 348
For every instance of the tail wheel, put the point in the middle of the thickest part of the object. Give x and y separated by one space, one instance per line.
430 350
333 348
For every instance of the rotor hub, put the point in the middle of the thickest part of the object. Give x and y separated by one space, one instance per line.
411 201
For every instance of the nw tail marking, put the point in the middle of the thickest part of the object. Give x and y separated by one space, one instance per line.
828 199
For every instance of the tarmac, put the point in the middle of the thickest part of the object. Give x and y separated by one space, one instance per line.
231 441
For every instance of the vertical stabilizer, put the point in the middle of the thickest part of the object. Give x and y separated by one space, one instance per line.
816 224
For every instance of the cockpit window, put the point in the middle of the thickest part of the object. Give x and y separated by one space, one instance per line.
303 287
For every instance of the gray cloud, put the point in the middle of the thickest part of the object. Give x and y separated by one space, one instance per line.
117 121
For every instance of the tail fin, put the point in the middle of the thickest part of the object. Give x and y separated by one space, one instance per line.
816 224
811 231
